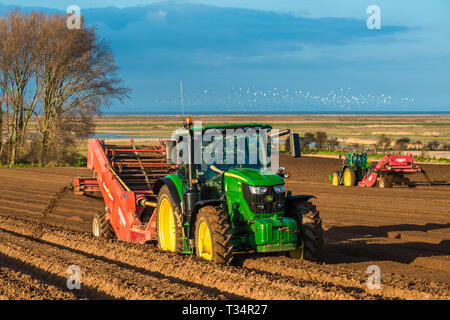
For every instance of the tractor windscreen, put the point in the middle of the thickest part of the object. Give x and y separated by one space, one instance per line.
238 148
359 159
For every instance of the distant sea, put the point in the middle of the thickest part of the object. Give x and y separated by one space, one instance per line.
214 109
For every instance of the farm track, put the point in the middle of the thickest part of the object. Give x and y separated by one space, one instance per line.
404 231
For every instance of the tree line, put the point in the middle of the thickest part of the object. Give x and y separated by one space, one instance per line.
53 80
405 143
320 141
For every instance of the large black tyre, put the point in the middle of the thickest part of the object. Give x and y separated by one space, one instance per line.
349 178
101 227
168 223
215 219
310 227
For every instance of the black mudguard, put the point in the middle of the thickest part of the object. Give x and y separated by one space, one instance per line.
172 189
299 198
291 200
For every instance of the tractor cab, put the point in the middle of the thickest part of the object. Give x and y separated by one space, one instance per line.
356 159
204 154
248 149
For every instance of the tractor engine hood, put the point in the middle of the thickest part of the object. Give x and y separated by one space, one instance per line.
255 177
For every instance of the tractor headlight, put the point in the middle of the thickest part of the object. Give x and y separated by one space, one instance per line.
258 189
279 205
279 189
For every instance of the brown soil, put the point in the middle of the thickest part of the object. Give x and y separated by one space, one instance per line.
405 231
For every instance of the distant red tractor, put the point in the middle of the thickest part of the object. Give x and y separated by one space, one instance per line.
391 170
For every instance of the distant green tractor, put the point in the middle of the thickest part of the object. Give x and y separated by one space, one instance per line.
354 167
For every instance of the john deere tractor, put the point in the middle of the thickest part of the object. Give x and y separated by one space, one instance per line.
354 167
235 203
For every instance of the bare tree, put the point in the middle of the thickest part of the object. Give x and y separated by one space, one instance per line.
2 95
332 144
433 145
402 143
18 62
383 142
78 77
418 144
61 76
355 147
321 139
307 139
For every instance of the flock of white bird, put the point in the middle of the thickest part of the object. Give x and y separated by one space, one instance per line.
254 99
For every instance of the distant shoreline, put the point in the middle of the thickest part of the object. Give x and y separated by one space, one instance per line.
279 114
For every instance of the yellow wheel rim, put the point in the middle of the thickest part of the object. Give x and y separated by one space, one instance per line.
204 242
166 226
347 178
335 180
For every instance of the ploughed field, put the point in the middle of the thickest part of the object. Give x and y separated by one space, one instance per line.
404 231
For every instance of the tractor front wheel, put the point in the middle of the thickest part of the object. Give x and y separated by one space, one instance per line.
101 227
213 235
336 179
310 227
168 224
349 178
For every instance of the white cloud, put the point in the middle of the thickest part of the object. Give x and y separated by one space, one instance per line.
157 16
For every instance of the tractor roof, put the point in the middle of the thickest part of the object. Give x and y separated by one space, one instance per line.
188 123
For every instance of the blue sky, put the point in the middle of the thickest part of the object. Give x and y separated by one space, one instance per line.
279 56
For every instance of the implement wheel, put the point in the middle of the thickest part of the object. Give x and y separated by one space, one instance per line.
385 182
101 227
213 235
310 227
349 178
168 223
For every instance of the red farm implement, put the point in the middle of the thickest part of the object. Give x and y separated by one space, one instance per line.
125 175
391 170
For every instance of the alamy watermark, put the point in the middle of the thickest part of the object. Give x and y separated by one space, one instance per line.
374 20
73 17
374 280
74 280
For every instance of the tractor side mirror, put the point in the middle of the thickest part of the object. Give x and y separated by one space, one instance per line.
170 148
295 145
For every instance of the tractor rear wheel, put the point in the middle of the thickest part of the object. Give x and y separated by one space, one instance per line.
310 227
101 227
168 224
349 178
213 235
335 180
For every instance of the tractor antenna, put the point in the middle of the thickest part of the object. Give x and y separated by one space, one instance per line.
181 95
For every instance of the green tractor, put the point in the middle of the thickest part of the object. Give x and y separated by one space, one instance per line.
237 203
354 168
